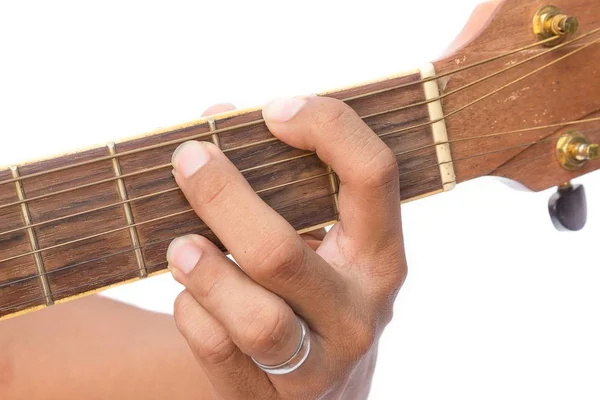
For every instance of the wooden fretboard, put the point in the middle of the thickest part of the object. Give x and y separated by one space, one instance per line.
67 232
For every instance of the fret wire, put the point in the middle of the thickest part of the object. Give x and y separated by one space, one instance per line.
33 240
141 223
251 123
212 126
122 191
274 139
155 194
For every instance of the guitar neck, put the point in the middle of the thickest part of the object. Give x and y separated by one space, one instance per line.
78 223
82 222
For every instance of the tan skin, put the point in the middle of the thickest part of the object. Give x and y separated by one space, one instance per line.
343 284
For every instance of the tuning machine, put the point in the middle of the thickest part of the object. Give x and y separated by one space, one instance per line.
573 150
550 22
568 206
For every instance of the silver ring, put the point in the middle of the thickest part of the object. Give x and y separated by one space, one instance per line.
296 360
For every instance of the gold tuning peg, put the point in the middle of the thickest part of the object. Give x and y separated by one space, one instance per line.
573 150
549 21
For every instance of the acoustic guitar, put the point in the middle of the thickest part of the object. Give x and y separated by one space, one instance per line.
79 223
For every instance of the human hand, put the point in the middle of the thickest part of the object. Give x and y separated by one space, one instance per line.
343 287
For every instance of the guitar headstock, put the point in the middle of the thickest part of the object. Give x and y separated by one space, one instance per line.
526 100
534 110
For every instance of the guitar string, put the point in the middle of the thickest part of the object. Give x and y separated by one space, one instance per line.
189 210
460 109
274 139
176 188
147 245
222 130
466 67
518 146
498 134
487 77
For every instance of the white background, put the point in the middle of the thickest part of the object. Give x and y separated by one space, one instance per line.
497 304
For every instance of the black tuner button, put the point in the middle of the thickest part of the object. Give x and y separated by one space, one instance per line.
568 208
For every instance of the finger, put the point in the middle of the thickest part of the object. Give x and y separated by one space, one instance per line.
232 373
218 108
259 322
369 197
267 247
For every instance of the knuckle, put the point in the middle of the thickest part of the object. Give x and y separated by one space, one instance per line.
390 279
267 331
335 116
282 261
208 341
387 314
361 336
215 347
364 337
381 170
182 309
397 278
335 113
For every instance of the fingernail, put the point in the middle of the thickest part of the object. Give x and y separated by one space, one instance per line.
183 254
283 109
189 157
